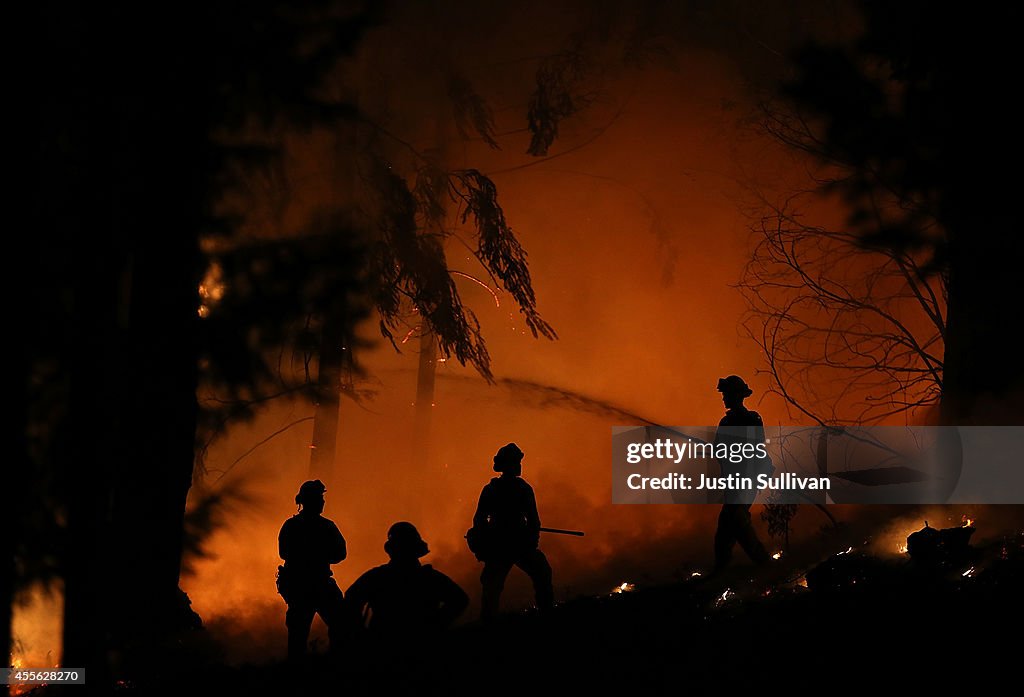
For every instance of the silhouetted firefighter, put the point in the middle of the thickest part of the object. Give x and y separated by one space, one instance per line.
309 544
506 533
739 425
404 597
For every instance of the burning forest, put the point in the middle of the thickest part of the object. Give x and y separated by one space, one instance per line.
339 314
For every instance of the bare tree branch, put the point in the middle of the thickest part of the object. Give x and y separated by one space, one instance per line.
851 334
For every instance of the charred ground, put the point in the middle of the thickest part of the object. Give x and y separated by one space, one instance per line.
852 620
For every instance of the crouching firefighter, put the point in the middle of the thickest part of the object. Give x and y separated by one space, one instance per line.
309 543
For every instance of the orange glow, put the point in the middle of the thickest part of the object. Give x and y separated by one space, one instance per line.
211 289
634 242
643 267
637 231
36 631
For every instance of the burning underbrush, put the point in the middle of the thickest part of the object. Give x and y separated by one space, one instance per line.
859 600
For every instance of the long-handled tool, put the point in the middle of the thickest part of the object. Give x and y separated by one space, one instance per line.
558 531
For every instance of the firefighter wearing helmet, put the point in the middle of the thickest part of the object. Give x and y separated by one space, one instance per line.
405 599
739 425
309 543
506 533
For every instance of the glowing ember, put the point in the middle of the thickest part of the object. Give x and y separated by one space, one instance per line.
777 556
967 522
846 551
802 582
624 587
18 689
724 598
695 574
969 573
211 290
901 548
474 279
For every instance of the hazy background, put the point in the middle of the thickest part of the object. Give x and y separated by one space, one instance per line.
636 227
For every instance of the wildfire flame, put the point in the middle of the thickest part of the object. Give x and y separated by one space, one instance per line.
211 290
968 573
17 663
967 522
902 548
624 587
777 556
846 551
695 574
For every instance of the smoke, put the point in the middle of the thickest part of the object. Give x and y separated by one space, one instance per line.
380 480
635 234
535 395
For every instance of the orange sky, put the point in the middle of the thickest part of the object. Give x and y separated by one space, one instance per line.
633 241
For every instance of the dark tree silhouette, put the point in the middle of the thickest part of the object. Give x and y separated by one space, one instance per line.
143 149
913 134
411 200
144 110
851 334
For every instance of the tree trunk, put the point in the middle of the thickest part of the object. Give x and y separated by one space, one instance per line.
425 378
333 352
336 360
136 207
78 180
983 375
13 512
88 461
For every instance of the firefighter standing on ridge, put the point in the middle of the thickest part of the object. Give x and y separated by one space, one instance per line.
739 425
309 544
506 533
